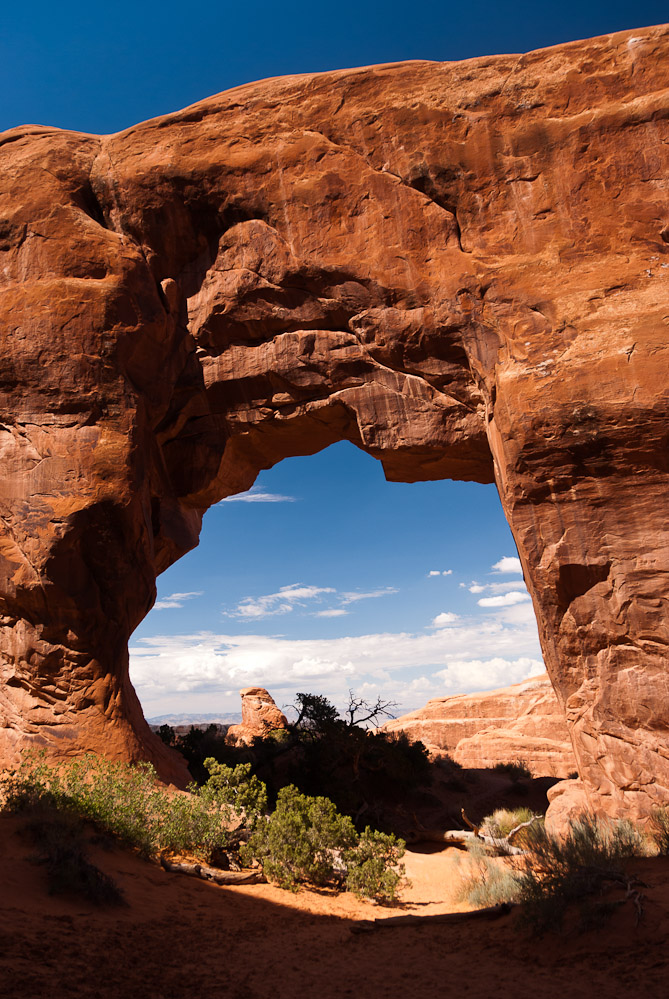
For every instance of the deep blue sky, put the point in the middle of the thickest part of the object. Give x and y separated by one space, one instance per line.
101 67
329 577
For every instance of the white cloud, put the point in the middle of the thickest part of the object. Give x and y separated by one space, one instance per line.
332 612
505 599
190 672
447 572
441 620
256 495
486 674
350 598
176 600
281 602
476 588
508 564
440 572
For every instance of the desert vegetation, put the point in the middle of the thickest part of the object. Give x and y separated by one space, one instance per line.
315 821
554 874
303 840
365 772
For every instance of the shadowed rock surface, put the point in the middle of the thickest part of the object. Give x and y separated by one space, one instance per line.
462 268
521 722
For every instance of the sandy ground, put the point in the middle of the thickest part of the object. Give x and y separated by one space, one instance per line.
179 937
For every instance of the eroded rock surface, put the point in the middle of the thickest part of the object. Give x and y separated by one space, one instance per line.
260 716
521 722
462 268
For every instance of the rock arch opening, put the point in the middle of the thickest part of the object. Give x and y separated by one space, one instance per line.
322 578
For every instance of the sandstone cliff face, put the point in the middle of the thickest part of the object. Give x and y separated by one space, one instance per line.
521 722
461 268
260 716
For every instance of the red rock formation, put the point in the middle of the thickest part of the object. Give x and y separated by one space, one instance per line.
260 716
522 722
462 268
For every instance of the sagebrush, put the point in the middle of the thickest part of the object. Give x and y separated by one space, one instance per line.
555 873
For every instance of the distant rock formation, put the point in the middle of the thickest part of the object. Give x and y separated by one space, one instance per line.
462 268
260 716
523 721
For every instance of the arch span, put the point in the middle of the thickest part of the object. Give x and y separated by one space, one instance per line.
462 268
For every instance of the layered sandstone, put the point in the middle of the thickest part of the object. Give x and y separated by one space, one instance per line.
260 716
462 268
521 722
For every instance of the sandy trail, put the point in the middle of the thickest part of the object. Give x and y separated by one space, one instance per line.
179 937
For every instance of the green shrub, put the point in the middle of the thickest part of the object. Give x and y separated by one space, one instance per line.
306 840
301 841
373 866
234 790
127 802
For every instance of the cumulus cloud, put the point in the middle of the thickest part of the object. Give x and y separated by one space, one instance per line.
176 600
440 572
505 599
257 495
486 674
508 564
281 602
332 612
441 620
476 588
187 671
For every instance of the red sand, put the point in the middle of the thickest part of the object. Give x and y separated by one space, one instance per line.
179 937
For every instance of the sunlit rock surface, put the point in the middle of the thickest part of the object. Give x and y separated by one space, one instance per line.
462 268
260 716
522 722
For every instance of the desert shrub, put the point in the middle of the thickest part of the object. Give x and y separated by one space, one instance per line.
234 790
306 840
555 873
301 841
373 866
659 829
487 880
127 802
561 871
325 754
59 839
516 769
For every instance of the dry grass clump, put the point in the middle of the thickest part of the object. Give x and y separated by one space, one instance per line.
556 873
516 769
504 820
659 829
487 880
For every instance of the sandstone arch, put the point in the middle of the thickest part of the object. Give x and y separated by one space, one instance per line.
462 268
